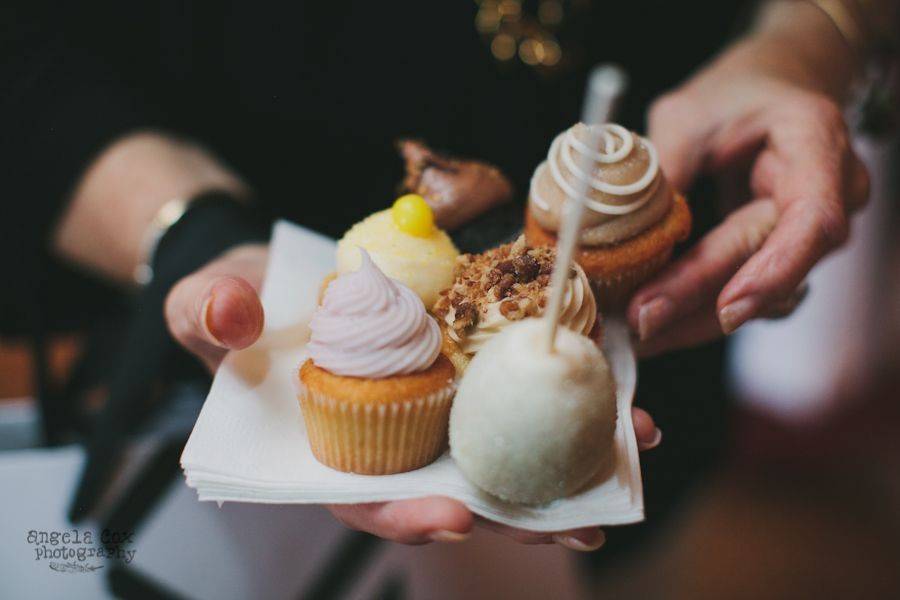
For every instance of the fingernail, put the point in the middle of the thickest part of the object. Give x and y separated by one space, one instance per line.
204 321
571 542
452 537
737 313
653 316
657 438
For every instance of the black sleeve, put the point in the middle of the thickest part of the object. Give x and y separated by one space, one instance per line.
60 106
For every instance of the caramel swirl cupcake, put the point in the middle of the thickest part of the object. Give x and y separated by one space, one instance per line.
376 391
634 217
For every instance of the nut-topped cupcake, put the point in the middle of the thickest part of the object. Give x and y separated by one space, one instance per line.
634 217
376 391
502 286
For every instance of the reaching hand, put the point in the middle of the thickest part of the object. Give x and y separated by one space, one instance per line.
781 148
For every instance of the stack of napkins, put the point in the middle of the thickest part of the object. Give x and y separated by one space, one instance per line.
250 444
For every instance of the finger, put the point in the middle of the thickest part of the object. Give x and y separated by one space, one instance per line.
703 326
680 137
521 536
210 314
806 231
585 539
810 172
695 329
786 307
697 278
417 521
581 540
231 314
645 430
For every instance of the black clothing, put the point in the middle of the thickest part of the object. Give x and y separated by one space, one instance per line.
304 100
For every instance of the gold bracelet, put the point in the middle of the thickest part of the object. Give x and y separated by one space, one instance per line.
167 215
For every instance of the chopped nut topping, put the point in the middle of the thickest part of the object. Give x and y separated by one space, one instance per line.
466 317
504 286
506 266
509 307
514 274
491 279
527 268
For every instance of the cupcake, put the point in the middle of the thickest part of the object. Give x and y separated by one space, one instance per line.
504 285
405 244
634 217
376 391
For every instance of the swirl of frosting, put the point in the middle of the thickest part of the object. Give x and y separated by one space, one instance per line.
369 325
627 191
579 312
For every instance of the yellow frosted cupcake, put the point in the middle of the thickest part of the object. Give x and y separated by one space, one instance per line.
405 244
376 391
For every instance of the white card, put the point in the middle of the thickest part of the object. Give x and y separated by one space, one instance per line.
249 443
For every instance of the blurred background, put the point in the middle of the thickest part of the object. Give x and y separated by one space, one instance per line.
801 499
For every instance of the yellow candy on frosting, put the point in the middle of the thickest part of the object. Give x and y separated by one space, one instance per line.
412 215
423 263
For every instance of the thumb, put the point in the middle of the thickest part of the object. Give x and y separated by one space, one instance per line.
231 314
210 314
680 137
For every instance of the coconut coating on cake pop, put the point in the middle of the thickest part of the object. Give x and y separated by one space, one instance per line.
530 426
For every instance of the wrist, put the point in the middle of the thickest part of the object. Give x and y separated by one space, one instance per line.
798 42
104 229
214 225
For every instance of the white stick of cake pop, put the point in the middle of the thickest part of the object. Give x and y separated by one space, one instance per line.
605 86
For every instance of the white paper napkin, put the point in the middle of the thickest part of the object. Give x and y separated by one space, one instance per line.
249 443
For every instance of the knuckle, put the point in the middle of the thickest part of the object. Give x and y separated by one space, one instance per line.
821 120
345 521
667 107
749 239
833 226
774 275
660 105
822 109
752 226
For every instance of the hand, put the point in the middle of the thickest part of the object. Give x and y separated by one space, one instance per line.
217 309
782 147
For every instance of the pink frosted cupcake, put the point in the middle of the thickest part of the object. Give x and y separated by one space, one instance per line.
376 391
